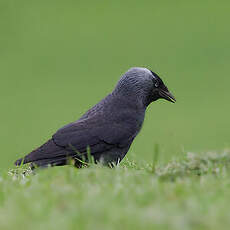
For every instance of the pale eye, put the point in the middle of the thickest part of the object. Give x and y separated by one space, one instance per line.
156 84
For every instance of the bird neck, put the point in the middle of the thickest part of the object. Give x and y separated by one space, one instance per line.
134 98
129 99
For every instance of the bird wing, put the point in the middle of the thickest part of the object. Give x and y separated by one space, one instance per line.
76 137
99 136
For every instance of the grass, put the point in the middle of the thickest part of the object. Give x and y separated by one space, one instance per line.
189 193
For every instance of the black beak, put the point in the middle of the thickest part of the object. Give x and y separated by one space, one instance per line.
167 95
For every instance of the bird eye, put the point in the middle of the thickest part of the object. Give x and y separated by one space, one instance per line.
156 84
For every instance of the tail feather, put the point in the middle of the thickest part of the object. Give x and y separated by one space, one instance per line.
48 154
19 162
43 162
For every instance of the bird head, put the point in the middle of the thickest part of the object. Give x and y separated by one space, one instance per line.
143 84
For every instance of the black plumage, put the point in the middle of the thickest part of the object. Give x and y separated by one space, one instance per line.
108 129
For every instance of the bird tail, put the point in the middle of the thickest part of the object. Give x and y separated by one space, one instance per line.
49 154
43 162
19 162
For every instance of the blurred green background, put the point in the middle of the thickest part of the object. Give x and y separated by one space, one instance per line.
59 58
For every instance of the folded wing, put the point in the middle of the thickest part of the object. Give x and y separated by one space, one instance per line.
75 138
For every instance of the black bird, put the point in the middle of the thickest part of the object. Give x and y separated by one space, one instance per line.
106 130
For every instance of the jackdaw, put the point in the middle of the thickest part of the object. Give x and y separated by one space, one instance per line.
107 130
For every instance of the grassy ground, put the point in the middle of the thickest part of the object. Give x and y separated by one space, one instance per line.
58 58
192 193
